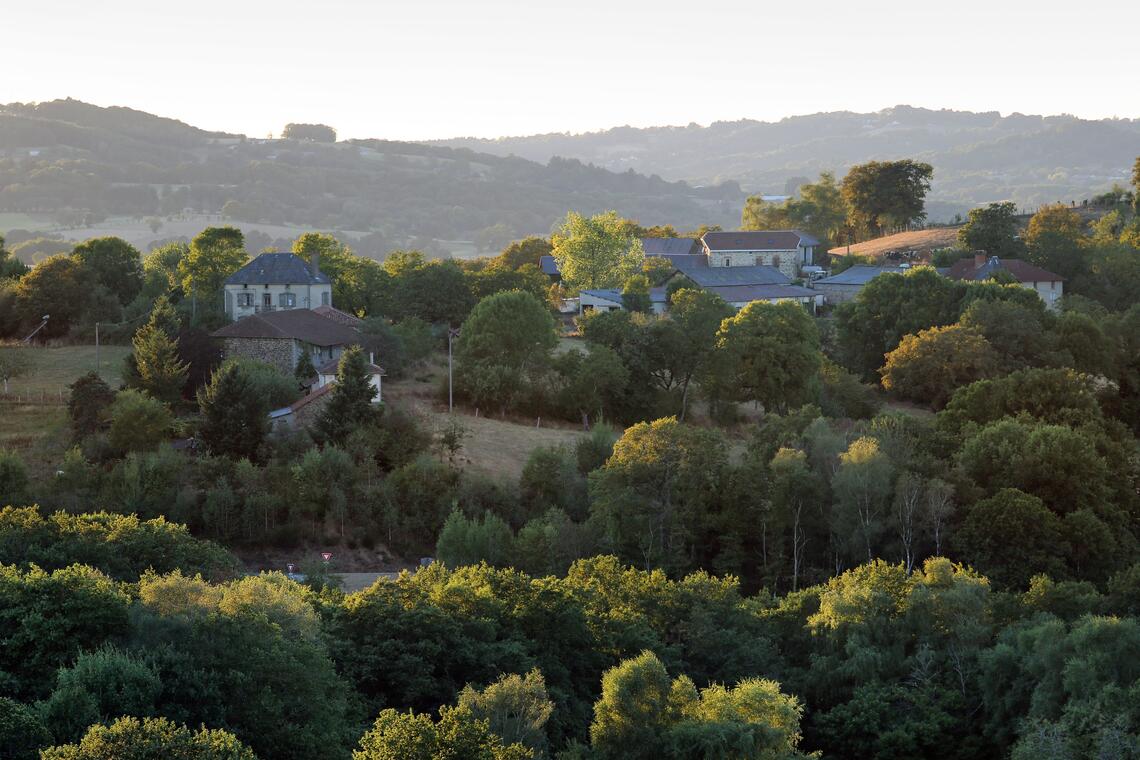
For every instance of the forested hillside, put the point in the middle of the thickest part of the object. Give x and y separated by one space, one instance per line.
977 157
79 162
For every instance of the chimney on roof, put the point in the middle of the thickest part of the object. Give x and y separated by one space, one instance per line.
979 259
315 264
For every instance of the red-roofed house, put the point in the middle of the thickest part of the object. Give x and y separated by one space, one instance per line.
1049 286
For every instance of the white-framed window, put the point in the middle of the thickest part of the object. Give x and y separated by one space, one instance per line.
287 300
245 299
325 298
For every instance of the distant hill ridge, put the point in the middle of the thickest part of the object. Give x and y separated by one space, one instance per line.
67 154
977 157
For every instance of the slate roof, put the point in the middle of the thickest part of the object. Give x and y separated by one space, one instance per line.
548 265
858 275
967 269
758 240
732 293
656 295
608 294
298 324
668 246
277 269
741 293
699 271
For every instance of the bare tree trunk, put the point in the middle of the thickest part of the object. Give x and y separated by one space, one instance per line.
939 507
799 540
907 499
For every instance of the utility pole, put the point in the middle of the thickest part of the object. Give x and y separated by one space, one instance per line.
452 333
33 332
98 364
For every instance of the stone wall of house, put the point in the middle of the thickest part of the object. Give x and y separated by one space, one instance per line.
786 261
307 414
281 353
838 292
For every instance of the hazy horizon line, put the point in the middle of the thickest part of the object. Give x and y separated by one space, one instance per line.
254 134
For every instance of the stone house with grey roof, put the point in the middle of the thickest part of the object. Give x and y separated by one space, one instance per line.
786 250
276 282
843 287
279 338
741 267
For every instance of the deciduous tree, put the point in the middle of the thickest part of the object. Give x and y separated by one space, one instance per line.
862 487
930 366
597 251
149 739
882 195
114 263
215 253
770 354
505 342
993 229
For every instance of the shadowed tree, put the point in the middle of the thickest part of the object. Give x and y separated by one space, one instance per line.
234 421
882 195
350 403
114 263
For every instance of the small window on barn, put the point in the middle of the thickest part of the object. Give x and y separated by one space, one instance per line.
776 261
727 261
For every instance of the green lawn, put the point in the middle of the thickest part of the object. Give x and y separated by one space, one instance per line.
54 368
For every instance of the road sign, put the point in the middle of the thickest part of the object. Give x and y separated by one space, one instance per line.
326 556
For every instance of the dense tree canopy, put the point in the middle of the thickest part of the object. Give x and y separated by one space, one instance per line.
506 340
770 354
993 229
114 263
882 195
597 251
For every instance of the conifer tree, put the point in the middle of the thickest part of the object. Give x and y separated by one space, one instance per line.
234 414
160 372
305 369
350 403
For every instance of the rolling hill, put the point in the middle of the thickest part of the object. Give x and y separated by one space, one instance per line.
977 157
72 160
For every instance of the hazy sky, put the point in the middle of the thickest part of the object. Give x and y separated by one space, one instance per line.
441 68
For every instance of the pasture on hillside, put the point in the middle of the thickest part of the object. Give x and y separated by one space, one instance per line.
53 368
496 446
